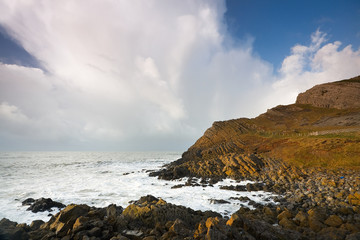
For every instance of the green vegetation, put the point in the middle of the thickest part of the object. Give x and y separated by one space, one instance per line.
305 136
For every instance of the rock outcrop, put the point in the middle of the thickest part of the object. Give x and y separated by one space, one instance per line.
285 138
151 218
42 204
308 152
342 95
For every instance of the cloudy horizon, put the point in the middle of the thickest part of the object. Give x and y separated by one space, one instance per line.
144 75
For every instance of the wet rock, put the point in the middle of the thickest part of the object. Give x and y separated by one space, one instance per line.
28 201
254 186
42 204
133 234
177 186
242 198
218 201
239 188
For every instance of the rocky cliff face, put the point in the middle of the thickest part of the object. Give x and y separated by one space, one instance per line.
307 152
321 130
342 95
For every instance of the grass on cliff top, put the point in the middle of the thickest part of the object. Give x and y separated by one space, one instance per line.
300 118
301 135
327 151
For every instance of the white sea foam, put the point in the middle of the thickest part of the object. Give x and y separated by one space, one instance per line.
99 179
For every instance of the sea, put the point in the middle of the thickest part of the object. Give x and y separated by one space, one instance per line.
103 178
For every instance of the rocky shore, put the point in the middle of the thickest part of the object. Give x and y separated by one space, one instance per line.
316 205
307 153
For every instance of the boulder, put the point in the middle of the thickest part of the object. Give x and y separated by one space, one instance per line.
42 204
219 201
10 231
287 223
64 221
333 221
301 219
284 214
149 211
36 224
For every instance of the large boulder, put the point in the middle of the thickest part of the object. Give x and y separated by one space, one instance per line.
150 211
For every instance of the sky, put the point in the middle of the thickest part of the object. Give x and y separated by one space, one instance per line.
153 75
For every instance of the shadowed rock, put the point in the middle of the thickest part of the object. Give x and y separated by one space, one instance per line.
42 204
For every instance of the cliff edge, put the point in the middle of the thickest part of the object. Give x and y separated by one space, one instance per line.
341 95
320 131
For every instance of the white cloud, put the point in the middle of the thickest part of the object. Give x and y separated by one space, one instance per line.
143 74
11 113
320 62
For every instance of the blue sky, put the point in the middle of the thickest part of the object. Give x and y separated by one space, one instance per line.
277 25
154 74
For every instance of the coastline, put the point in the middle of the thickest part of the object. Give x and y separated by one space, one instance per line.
317 205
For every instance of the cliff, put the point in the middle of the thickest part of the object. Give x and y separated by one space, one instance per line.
321 130
341 95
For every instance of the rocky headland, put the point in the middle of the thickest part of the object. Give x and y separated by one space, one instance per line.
308 153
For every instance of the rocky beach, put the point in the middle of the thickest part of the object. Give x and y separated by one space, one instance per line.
306 153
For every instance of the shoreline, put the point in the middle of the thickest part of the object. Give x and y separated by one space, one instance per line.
319 205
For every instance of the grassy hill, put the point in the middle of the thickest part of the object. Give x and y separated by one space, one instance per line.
324 134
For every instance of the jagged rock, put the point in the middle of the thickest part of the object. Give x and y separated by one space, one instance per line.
42 204
149 211
63 222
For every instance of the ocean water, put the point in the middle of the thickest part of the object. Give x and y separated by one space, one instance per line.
99 179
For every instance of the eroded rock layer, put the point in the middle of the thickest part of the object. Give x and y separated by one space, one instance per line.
341 95
290 139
